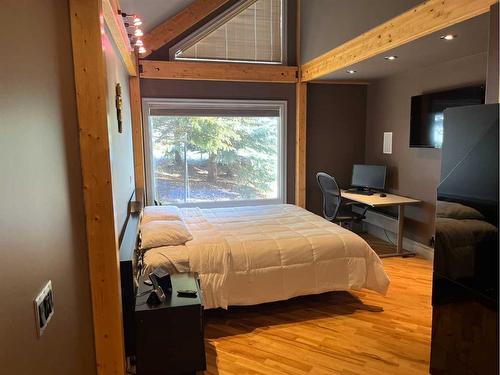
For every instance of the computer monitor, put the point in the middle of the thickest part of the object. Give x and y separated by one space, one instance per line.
368 176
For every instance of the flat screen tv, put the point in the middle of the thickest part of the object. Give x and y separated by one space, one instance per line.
426 122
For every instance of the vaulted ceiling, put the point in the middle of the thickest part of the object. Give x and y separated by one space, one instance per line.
326 24
154 12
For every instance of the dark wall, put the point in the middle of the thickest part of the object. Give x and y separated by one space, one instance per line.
42 220
155 88
336 118
493 79
413 172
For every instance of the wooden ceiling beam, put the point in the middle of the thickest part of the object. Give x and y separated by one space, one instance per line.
218 71
180 23
424 19
119 34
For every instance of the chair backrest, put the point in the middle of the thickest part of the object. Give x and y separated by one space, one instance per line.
331 195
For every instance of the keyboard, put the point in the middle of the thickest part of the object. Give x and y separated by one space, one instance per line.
360 192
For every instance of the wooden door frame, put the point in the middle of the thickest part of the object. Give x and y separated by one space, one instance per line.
89 18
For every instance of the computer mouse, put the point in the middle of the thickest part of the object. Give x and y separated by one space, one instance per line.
383 195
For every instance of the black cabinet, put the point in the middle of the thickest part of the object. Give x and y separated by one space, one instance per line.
169 337
465 280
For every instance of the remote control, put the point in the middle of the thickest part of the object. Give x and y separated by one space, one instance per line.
187 293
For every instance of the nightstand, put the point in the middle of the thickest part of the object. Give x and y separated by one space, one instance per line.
170 336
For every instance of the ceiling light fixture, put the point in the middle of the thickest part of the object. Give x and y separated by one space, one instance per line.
139 43
142 50
448 37
138 33
391 58
350 71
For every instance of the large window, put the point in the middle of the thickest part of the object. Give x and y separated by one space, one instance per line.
215 152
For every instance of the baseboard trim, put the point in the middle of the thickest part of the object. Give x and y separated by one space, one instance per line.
408 244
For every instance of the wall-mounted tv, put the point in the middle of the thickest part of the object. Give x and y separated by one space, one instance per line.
426 122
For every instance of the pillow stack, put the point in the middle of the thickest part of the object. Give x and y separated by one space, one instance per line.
163 226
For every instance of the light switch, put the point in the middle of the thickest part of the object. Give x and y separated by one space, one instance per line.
387 148
44 308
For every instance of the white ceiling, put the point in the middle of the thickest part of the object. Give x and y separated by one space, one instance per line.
472 39
153 12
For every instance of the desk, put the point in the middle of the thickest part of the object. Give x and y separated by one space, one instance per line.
375 201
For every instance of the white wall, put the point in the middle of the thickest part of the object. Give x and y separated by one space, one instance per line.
121 147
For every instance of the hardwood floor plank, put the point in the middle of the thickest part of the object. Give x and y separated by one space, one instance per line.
355 333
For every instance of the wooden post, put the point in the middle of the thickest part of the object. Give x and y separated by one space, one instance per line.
91 96
300 128
137 133
300 145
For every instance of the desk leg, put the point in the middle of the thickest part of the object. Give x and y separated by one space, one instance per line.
399 243
401 220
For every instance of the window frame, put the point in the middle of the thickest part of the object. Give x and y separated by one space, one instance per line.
220 20
162 103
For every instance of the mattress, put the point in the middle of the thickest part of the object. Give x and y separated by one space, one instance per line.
258 254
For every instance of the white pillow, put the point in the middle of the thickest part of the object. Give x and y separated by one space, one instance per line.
164 233
152 213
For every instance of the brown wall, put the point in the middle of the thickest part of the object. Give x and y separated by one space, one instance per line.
154 88
336 117
413 172
42 226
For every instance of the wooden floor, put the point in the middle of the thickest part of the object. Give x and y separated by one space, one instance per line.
333 333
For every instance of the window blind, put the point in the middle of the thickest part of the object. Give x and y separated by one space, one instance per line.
252 35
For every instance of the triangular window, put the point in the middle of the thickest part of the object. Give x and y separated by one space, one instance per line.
252 31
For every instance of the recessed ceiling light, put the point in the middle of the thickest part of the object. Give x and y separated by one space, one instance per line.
448 37
350 71
393 57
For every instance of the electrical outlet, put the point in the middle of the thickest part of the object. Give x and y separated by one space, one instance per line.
44 308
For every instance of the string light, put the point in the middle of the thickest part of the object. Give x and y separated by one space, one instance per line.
132 23
137 21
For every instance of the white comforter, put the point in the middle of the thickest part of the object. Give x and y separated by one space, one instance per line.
252 255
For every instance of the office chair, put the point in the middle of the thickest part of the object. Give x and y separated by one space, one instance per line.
333 208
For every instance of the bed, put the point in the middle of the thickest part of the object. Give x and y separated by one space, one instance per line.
258 254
